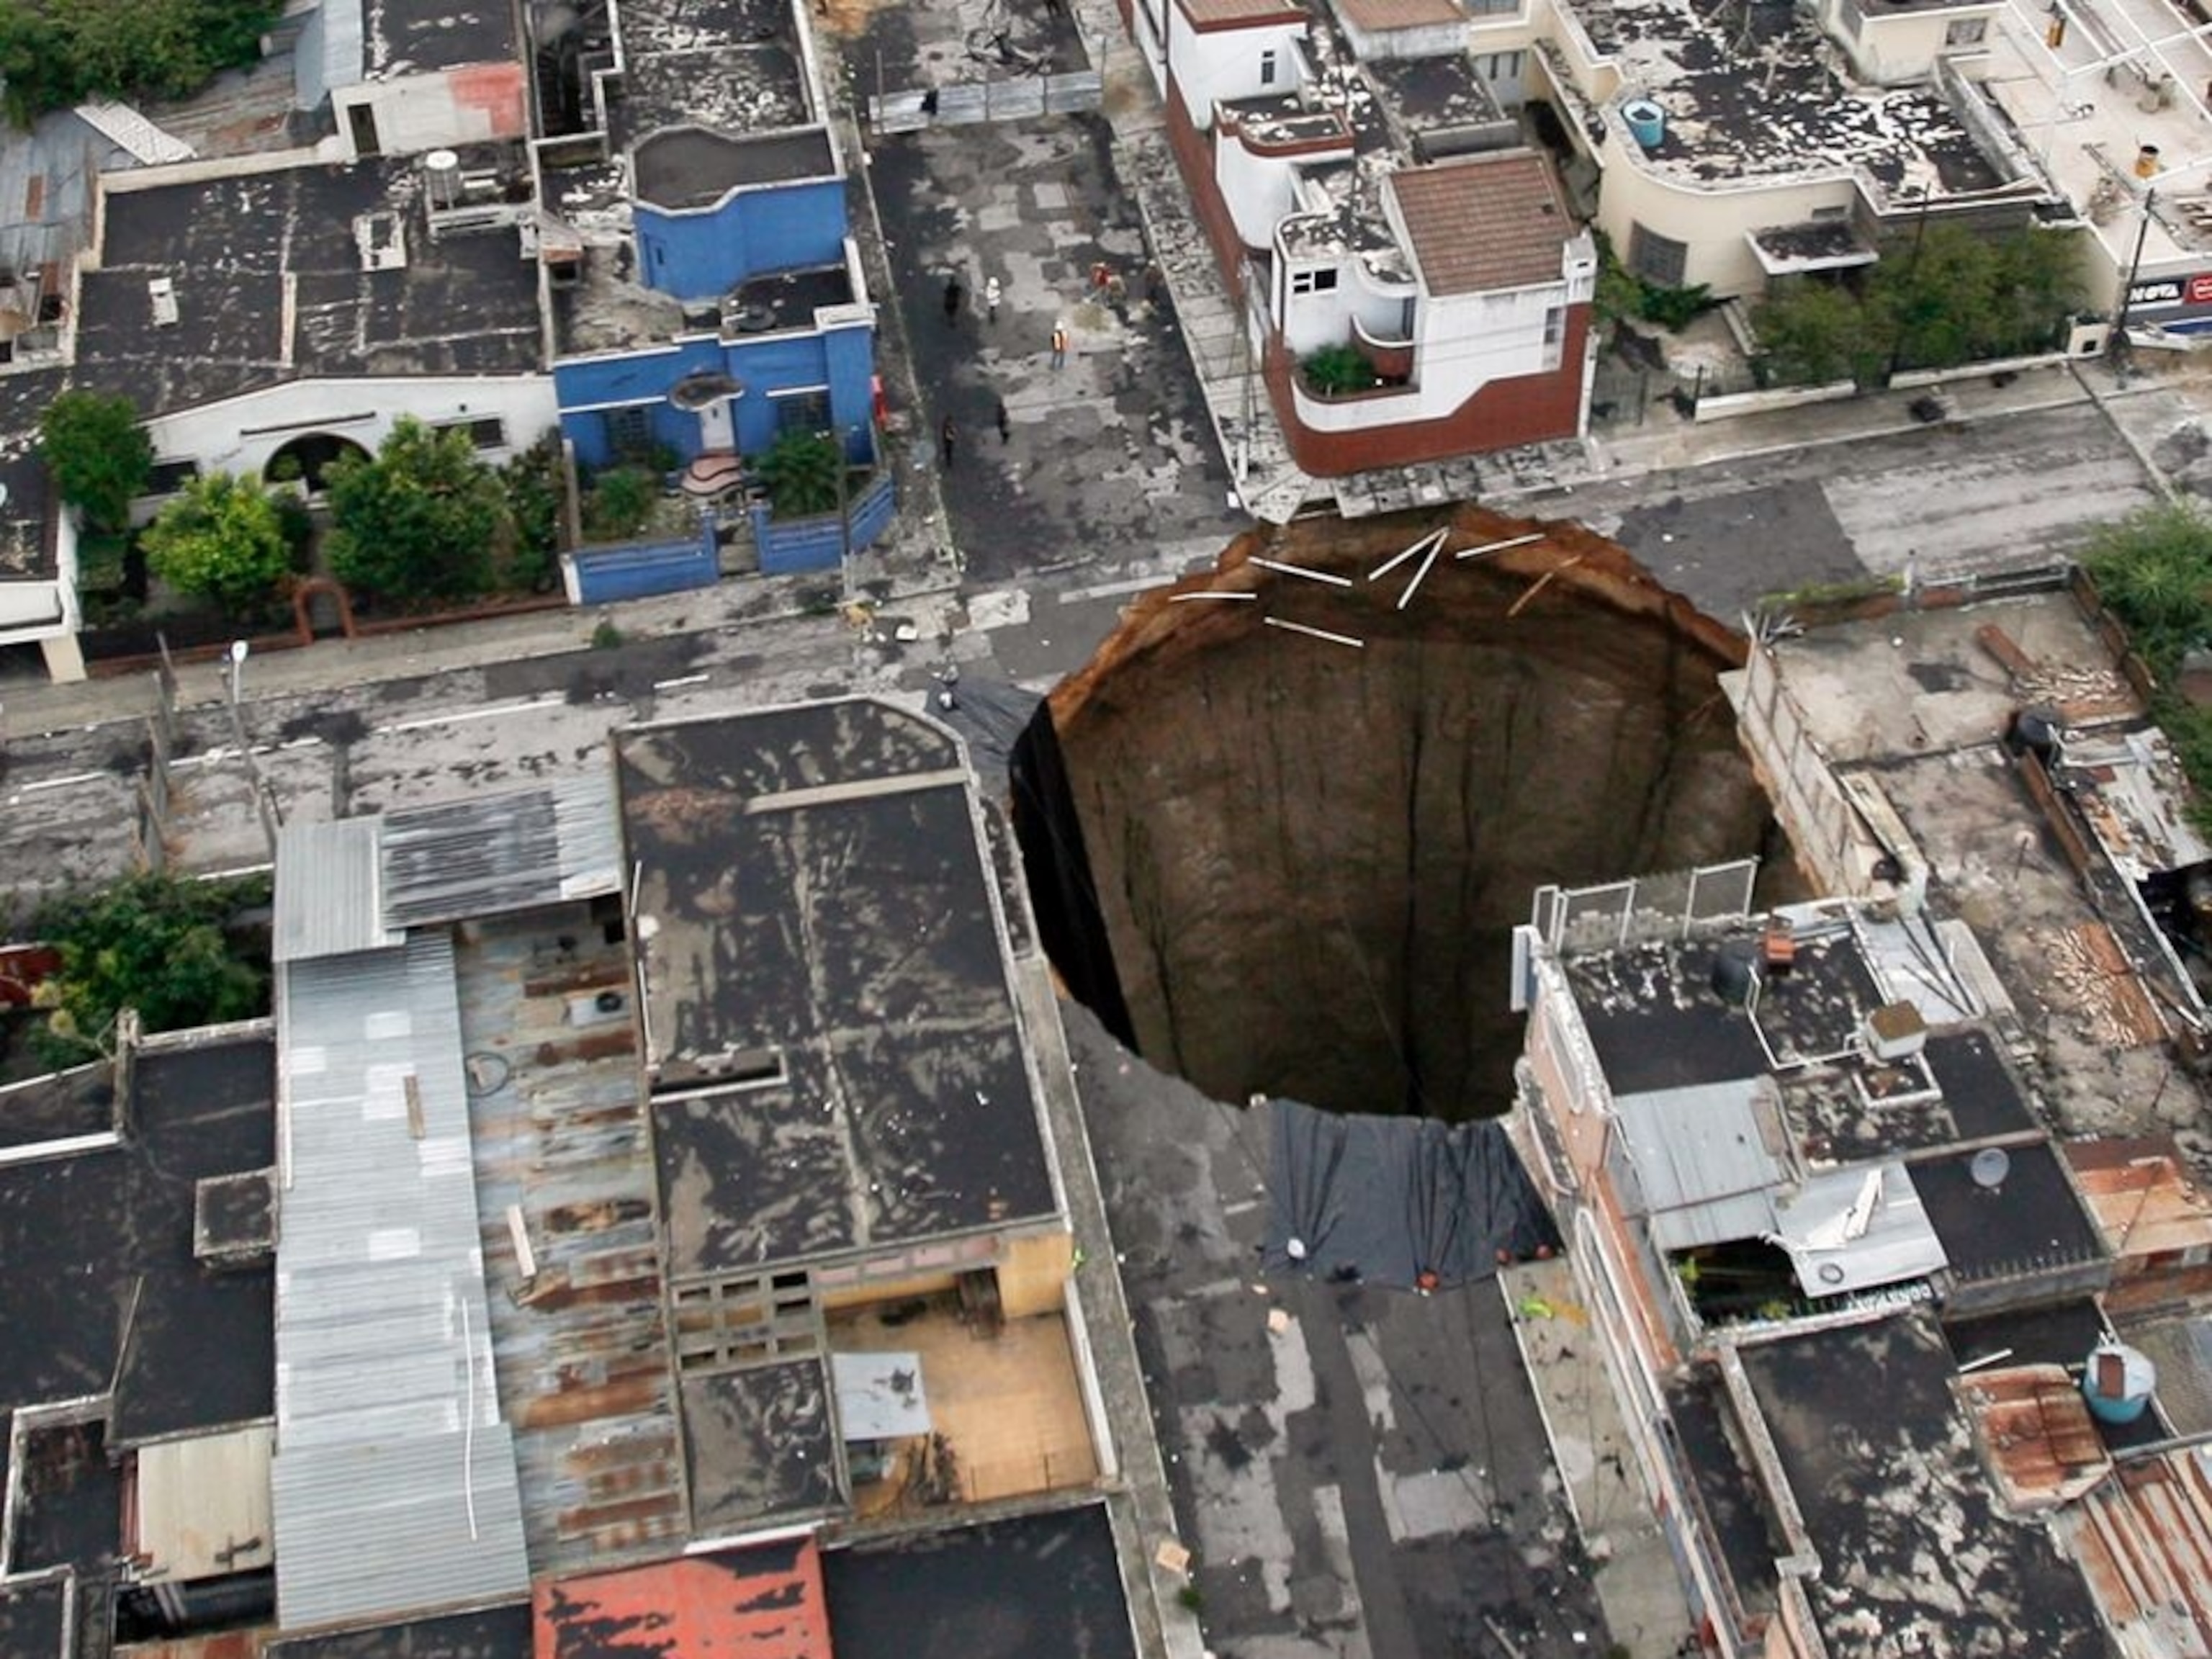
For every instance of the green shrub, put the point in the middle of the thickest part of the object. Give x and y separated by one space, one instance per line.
1337 370
620 504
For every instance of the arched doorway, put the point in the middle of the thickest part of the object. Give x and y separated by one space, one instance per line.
307 457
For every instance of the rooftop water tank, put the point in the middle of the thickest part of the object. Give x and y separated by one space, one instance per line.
1647 122
2118 1382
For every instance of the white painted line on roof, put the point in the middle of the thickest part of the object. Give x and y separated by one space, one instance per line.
1328 576
490 711
1184 598
1110 590
677 684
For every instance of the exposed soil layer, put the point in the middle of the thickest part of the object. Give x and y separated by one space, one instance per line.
1309 857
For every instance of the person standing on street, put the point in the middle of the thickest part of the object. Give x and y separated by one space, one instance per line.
954 294
1005 423
991 293
1059 345
944 437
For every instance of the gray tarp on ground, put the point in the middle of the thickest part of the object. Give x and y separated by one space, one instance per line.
1386 1199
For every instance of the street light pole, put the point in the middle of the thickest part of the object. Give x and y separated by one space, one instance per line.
263 804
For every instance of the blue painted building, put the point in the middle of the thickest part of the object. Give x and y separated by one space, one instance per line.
734 305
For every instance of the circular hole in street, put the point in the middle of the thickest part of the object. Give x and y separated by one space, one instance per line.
1280 842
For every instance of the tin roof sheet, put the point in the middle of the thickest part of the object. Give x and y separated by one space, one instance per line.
1851 1230
394 1483
1700 1144
328 898
513 850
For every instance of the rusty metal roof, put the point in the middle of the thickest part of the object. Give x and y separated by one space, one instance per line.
1478 223
2141 1195
2035 1435
2144 1543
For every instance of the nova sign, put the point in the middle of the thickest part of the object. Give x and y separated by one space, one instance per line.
2164 292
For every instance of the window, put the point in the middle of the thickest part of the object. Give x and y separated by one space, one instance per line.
489 433
1500 65
630 432
1656 258
802 411
1313 282
1268 68
1494 8
1967 32
1555 333
167 477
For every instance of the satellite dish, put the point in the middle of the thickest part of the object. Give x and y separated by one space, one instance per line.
1990 1167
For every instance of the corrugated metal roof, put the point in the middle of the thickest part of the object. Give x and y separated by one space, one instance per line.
510 851
2144 1543
394 1481
1701 1158
327 898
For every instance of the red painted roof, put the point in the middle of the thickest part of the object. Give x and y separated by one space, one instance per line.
761 1601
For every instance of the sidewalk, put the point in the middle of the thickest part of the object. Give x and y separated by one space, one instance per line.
1631 1566
901 575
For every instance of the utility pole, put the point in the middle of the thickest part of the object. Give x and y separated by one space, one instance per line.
2119 344
1912 299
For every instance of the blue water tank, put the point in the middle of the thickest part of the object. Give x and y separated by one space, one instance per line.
2119 1382
1647 122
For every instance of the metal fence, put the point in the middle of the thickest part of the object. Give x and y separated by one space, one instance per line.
967 103
1670 905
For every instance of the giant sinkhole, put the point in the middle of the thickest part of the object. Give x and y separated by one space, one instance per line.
1279 861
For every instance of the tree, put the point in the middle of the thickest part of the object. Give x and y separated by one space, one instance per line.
100 458
1810 331
58 52
801 469
154 943
423 521
223 538
2154 570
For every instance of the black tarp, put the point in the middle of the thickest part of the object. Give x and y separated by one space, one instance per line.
1068 918
1386 1199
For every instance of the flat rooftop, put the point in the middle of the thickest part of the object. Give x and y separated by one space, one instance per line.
727 66
1011 1589
1882 1465
492 1632
835 1059
695 167
1910 707
417 37
83 1232
267 275
1751 91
